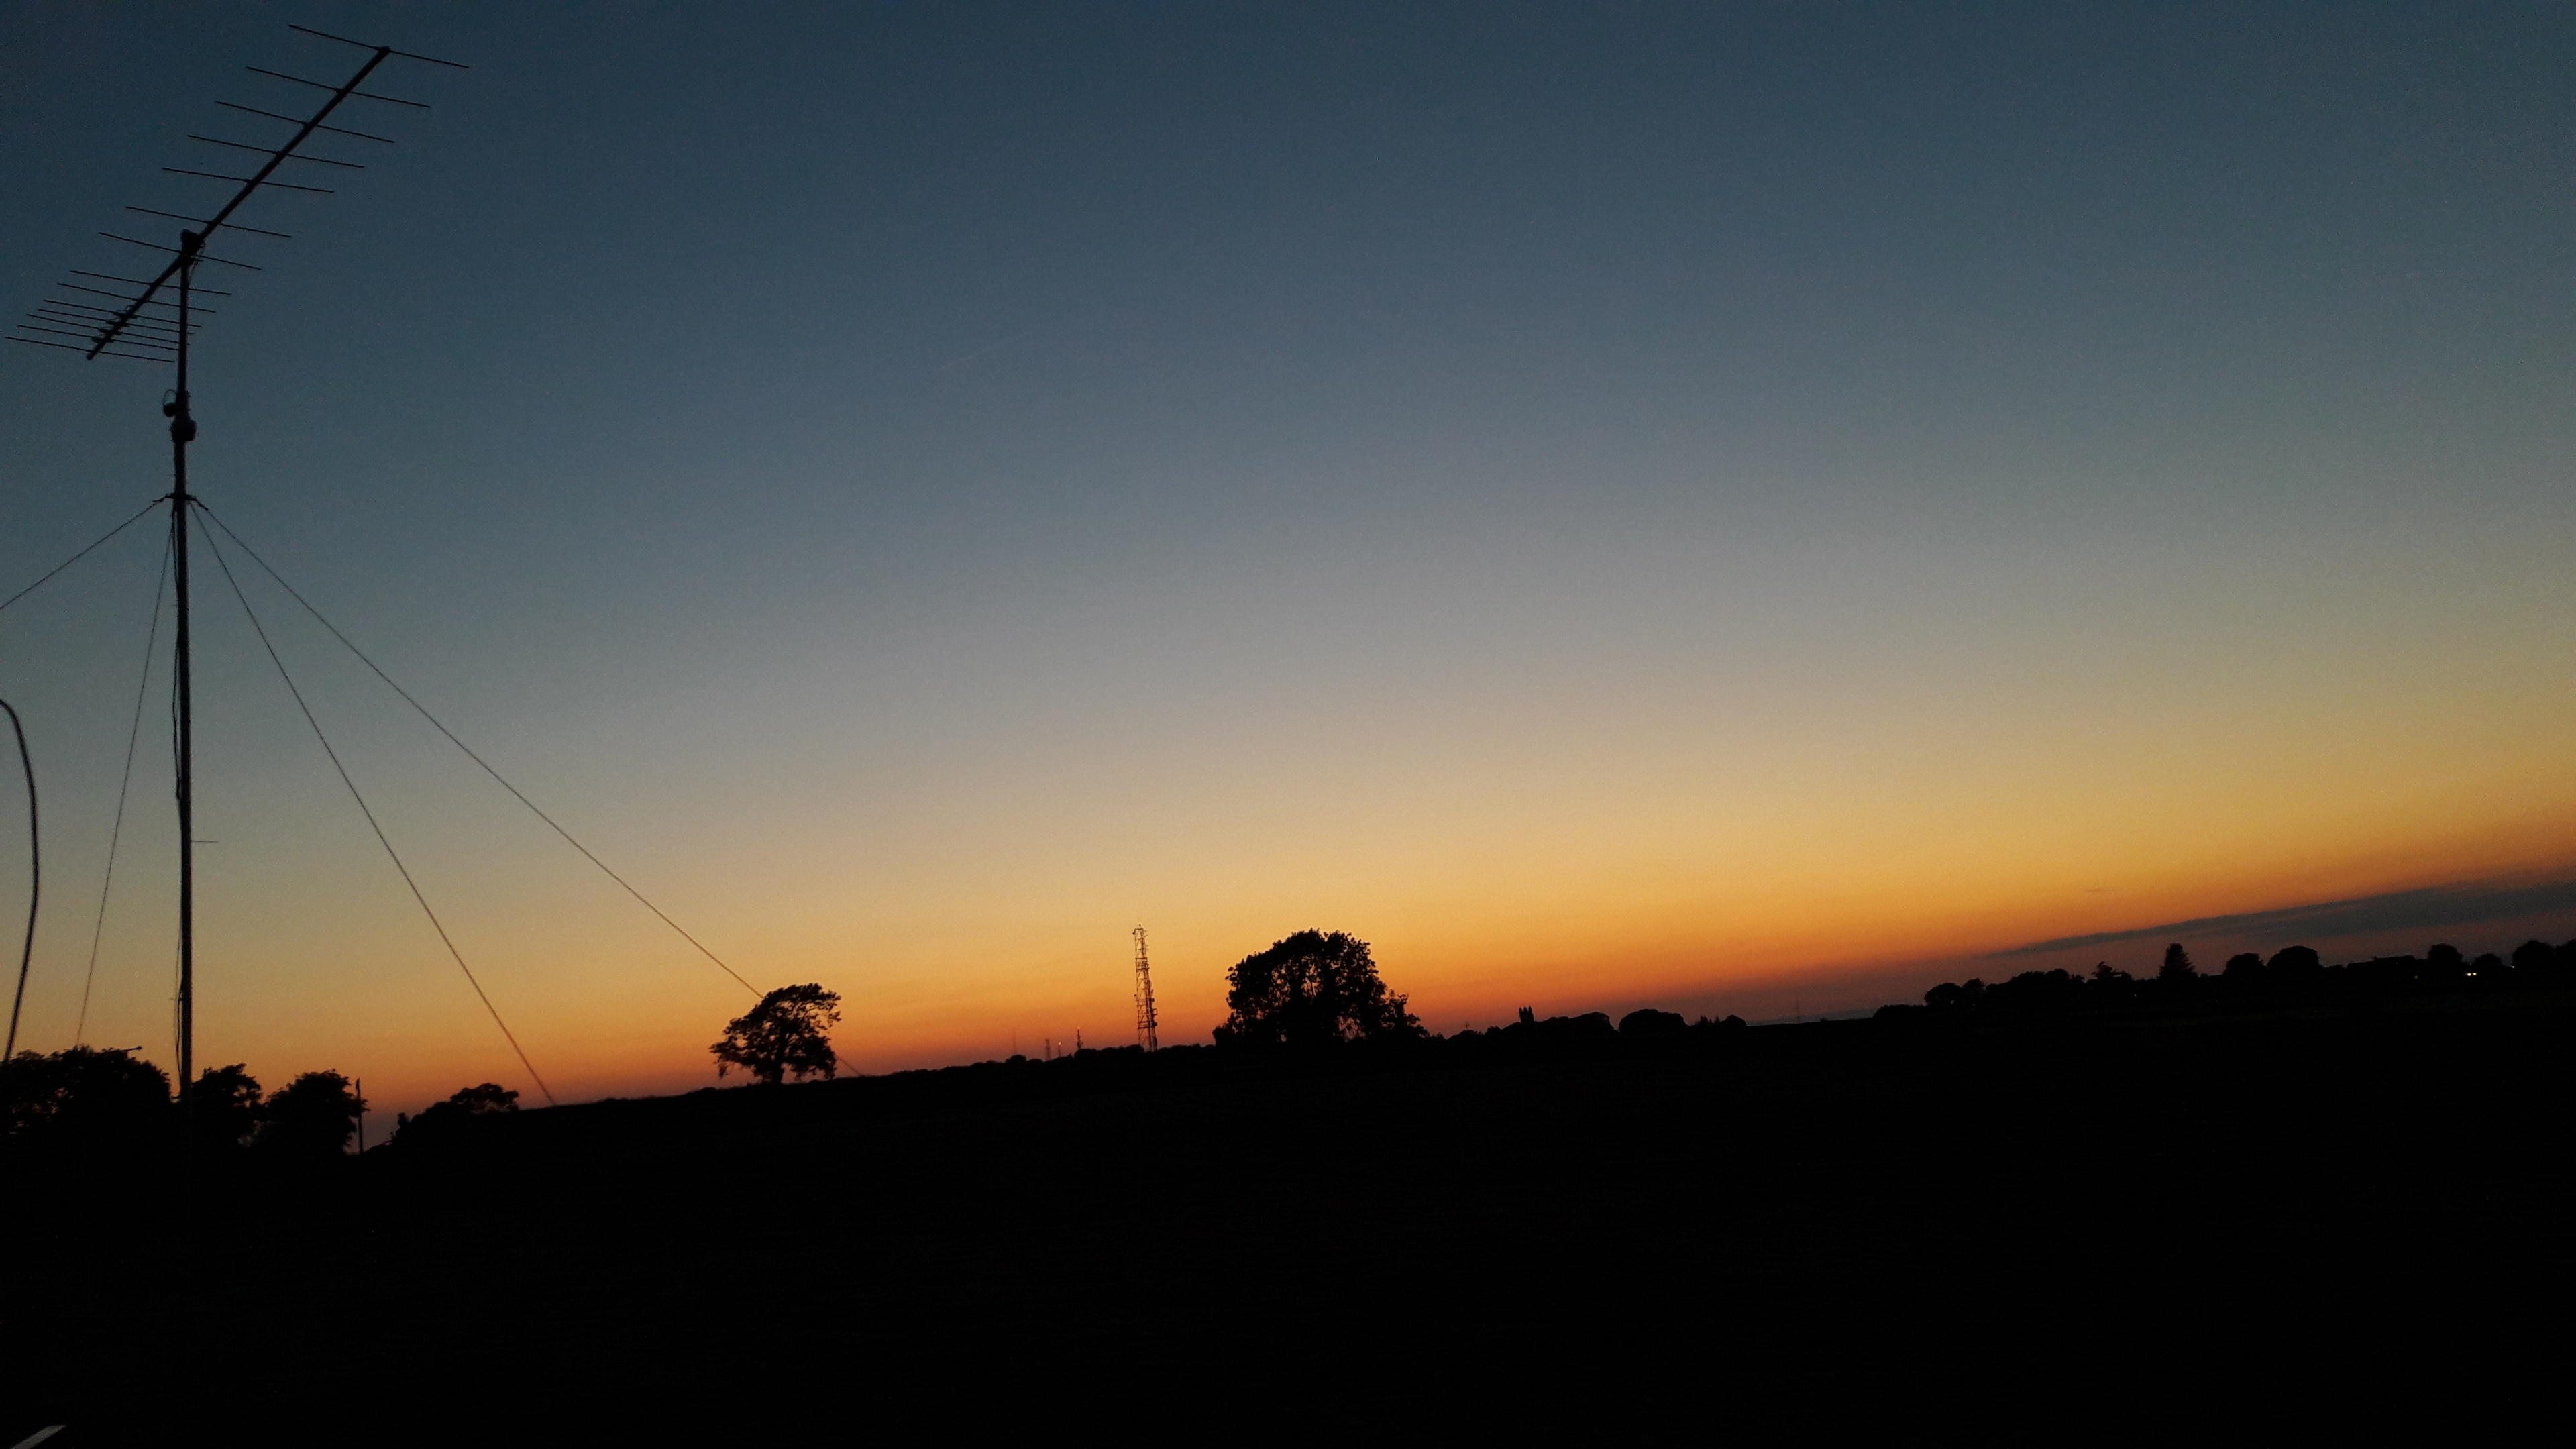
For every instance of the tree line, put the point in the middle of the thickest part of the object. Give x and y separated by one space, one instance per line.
2291 975
1309 996
88 1095
85 1097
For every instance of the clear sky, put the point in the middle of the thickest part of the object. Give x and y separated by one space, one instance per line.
1741 508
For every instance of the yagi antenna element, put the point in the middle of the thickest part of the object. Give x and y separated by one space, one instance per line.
114 331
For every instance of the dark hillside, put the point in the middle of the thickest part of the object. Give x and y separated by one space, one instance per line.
1808 1221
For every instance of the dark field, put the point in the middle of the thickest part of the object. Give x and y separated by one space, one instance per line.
2255 1217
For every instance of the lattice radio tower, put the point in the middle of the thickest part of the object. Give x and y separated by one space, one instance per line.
1144 995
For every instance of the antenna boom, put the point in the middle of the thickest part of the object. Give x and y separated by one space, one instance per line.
250 184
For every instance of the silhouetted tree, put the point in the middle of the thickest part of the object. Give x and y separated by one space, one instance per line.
313 1116
1310 989
2488 966
786 1033
2242 967
2177 965
224 1102
83 1094
2532 960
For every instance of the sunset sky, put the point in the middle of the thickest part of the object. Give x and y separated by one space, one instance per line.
1737 508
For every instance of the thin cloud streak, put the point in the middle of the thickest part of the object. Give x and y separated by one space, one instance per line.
958 362
2448 905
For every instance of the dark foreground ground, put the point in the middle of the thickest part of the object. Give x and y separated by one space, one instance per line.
2244 1226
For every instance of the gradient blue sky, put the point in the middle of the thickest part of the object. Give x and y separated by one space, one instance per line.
1724 504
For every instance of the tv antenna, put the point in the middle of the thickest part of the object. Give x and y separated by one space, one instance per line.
1144 995
147 326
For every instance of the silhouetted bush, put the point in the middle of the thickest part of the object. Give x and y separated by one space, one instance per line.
1591 1029
442 1121
2035 991
224 1108
313 1116
1650 1024
2294 965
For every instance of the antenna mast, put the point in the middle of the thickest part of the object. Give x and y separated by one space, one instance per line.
131 332
1144 995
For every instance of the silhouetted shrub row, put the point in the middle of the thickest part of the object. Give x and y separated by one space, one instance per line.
2293 975
453 1117
1588 1034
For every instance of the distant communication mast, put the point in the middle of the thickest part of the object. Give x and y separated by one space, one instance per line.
1144 995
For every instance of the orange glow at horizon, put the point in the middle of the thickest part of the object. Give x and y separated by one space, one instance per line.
1596 902
1667 806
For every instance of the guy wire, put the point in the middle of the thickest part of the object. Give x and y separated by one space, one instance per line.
390 852
469 753
84 553
116 832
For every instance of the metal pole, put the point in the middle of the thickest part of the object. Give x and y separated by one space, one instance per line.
183 430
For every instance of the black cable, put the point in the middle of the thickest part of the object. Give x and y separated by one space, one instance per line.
35 879
76 558
116 833
469 753
390 852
